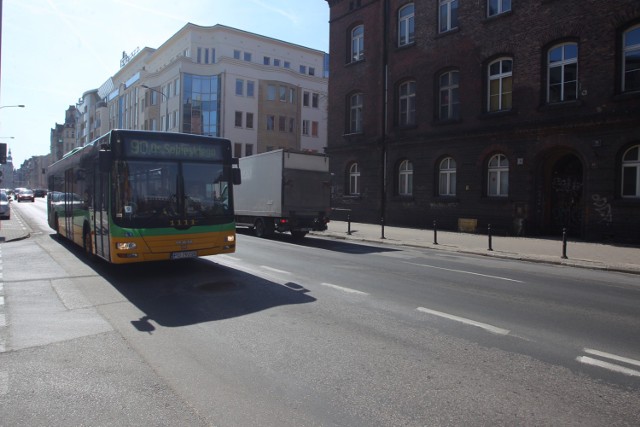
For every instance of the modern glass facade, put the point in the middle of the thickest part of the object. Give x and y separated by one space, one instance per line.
201 105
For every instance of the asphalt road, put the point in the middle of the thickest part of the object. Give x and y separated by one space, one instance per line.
318 333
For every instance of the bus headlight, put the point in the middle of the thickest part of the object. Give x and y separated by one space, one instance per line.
230 239
125 246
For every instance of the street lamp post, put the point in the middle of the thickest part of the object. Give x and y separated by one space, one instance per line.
166 127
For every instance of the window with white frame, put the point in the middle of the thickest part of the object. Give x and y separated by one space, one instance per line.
631 172
496 7
355 113
498 176
447 180
315 128
562 73
250 88
406 25
271 120
357 43
306 124
405 178
354 180
271 92
449 101
407 106
238 119
500 85
239 87
448 15
631 60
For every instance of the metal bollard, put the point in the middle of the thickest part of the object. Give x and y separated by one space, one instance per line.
564 243
382 224
489 234
349 224
435 232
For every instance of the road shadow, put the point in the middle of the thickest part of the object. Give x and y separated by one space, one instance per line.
187 292
324 243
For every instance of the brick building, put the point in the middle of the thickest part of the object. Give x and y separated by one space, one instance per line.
521 114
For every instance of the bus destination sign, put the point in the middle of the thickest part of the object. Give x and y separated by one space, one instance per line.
170 150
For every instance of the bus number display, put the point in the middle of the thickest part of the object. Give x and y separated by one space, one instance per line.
170 150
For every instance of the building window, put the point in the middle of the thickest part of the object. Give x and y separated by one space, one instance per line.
276 62
303 69
315 100
239 87
199 55
292 95
315 128
237 149
292 124
266 60
271 92
247 56
562 75
238 121
447 184
449 97
631 172
305 127
282 123
354 180
236 54
405 178
248 149
500 85
448 15
355 113
249 120
312 71
357 43
287 65
250 88
631 60
305 99
496 7
270 122
498 176
406 25
407 107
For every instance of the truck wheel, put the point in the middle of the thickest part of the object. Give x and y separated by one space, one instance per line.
259 228
298 234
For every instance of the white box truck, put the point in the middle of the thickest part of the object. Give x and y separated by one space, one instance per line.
283 191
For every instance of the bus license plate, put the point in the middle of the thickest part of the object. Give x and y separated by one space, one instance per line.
183 255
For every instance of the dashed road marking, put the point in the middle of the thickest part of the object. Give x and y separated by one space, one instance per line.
464 272
608 365
275 270
343 289
485 326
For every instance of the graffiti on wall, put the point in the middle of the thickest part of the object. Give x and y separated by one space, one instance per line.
603 207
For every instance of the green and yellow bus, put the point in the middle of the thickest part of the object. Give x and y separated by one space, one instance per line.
136 196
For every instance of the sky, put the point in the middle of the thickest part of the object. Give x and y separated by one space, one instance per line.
55 50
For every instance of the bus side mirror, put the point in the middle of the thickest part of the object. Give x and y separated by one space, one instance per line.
104 158
235 176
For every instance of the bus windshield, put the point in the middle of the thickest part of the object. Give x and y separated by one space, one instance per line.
170 193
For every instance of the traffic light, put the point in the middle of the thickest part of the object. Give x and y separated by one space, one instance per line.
3 153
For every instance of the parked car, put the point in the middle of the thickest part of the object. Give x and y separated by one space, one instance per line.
40 192
26 195
5 206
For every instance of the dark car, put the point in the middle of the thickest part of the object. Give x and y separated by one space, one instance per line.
26 195
39 192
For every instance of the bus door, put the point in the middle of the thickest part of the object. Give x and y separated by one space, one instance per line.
101 215
67 203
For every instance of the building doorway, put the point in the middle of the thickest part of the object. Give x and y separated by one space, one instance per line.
564 188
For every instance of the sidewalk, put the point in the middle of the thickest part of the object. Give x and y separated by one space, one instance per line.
579 254
14 228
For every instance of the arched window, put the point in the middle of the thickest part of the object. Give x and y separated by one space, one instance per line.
631 59
562 73
354 179
449 102
405 178
500 85
498 176
355 113
406 25
631 172
447 186
357 43
407 106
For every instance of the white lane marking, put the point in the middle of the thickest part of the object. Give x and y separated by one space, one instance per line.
612 356
343 289
606 365
464 272
485 326
275 270
1 300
